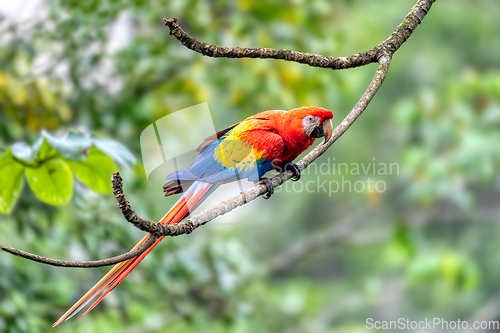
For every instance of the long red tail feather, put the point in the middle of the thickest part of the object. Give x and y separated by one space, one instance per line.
190 200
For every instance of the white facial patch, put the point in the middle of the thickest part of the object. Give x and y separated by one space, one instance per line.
309 123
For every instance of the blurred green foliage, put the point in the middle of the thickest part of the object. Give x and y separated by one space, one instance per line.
50 163
427 246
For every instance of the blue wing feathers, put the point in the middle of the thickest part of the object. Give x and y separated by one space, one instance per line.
206 168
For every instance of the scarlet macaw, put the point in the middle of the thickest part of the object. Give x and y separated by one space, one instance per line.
249 149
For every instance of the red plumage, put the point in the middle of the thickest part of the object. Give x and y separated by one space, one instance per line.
275 137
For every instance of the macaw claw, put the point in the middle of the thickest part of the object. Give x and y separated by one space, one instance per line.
294 168
270 187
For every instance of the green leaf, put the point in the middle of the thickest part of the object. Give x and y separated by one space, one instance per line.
115 150
95 171
45 150
11 180
72 146
51 182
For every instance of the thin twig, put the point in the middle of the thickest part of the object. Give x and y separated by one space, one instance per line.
130 215
82 264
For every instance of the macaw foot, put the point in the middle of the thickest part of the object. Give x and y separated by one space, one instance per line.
270 187
294 168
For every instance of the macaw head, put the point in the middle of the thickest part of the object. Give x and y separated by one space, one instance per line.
313 121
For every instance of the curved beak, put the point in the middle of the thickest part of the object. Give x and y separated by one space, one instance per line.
328 129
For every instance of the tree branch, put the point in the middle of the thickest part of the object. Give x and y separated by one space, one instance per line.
142 223
188 225
314 60
382 54
387 47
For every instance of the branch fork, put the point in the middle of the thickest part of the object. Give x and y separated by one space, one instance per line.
381 54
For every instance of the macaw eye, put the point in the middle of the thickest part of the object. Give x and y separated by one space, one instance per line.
310 119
